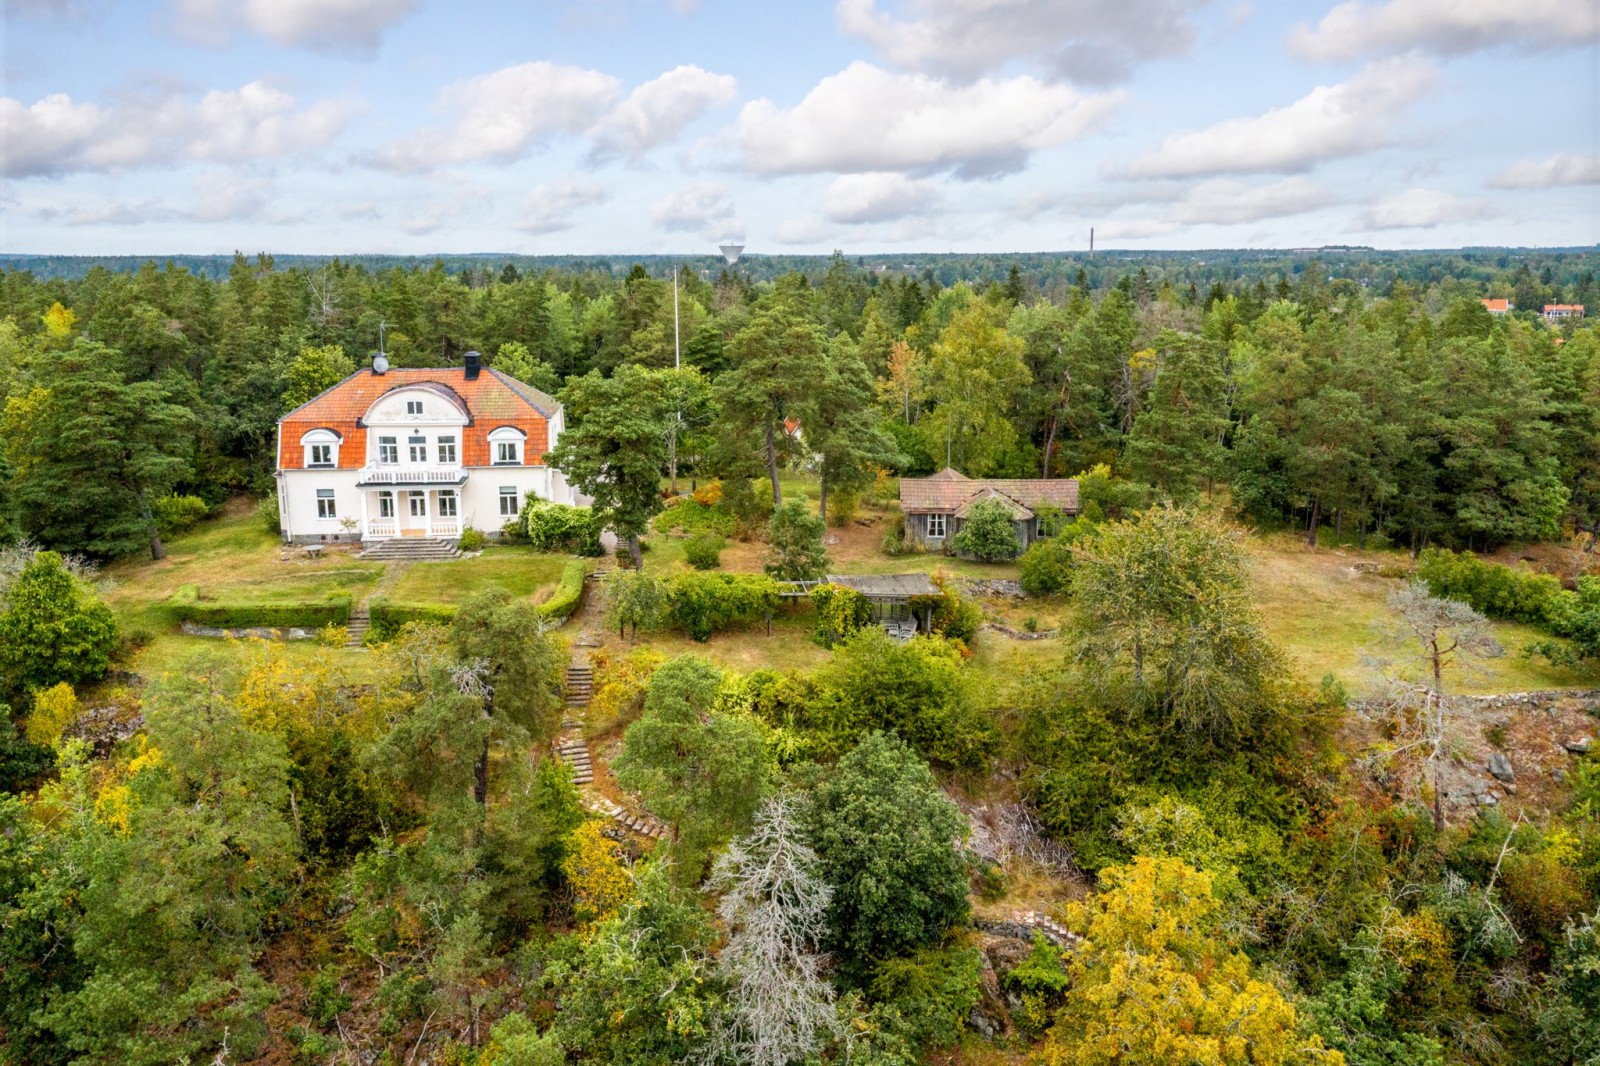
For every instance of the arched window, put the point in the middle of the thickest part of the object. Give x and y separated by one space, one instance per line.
322 449
505 446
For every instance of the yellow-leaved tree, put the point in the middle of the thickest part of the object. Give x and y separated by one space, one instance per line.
593 868
1154 983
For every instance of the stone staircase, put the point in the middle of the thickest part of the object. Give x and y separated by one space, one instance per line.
360 618
580 688
570 746
411 550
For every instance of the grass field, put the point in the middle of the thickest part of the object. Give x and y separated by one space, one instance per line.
519 571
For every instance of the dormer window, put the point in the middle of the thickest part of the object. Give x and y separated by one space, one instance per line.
507 444
413 407
322 449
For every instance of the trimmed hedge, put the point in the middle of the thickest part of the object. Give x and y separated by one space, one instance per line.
387 619
185 605
569 591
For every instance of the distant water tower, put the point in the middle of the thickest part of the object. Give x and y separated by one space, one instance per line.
731 252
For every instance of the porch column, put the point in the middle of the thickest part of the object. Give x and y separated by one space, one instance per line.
366 527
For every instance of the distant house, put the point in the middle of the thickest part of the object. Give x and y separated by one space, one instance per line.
936 507
390 453
1499 307
1562 312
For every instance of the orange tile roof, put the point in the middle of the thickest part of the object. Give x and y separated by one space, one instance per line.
947 491
492 400
1497 305
1563 307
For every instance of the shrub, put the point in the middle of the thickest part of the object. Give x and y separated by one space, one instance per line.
1040 982
1491 589
186 605
894 536
560 527
54 709
705 603
694 517
926 998
704 551
989 533
619 689
709 494
472 540
1047 564
54 628
267 514
841 611
794 537
842 507
750 504
514 532
176 514
569 592
953 617
633 599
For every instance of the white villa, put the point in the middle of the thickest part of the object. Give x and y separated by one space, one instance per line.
415 453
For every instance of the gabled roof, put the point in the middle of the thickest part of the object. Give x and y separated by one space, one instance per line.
1019 513
948 491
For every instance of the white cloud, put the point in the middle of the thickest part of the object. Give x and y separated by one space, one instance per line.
867 119
1447 27
1222 202
224 196
803 230
657 111
352 27
1421 209
703 208
1562 169
500 115
112 213
1329 122
1134 229
1089 41
549 207
877 197
257 121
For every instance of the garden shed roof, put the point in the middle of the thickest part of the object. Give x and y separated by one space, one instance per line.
887 586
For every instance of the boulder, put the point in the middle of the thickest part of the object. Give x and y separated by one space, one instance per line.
1500 767
1581 746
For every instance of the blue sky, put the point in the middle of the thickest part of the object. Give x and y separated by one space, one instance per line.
651 126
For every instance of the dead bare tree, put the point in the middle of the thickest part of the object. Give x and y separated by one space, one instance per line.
1426 722
780 1008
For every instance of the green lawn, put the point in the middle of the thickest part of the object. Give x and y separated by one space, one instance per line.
520 571
171 652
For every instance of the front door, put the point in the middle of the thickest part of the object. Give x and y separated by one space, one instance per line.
416 515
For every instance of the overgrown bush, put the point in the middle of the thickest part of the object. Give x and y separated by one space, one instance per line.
926 998
177 514
620 683
561 527
1047 564
267 514
1520 596
689 514
53 628
472 540
894 536
794 536
842 508
704 551
702 603
989 533
841 611
750 503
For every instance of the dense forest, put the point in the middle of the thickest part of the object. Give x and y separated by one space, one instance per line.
284 855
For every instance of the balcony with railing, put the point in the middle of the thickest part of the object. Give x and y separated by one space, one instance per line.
386 474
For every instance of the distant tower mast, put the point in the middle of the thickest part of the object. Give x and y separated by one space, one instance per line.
1091 242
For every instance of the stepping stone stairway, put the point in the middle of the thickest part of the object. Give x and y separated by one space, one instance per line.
360 618
571 749
410 550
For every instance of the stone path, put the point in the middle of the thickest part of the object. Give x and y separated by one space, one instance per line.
360 613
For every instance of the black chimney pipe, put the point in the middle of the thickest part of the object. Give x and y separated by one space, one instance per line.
473 363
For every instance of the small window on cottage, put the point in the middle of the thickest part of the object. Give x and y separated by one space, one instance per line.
508 501
447 504
413 407
325 507
936 525
388 450
447 449
385 505
419 449
322 455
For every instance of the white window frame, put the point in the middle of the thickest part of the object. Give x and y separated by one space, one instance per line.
322 449
388 451
418 507
509 492
507 442
447 503
413 407
944 525
417 448
386 505
447 448
327 504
